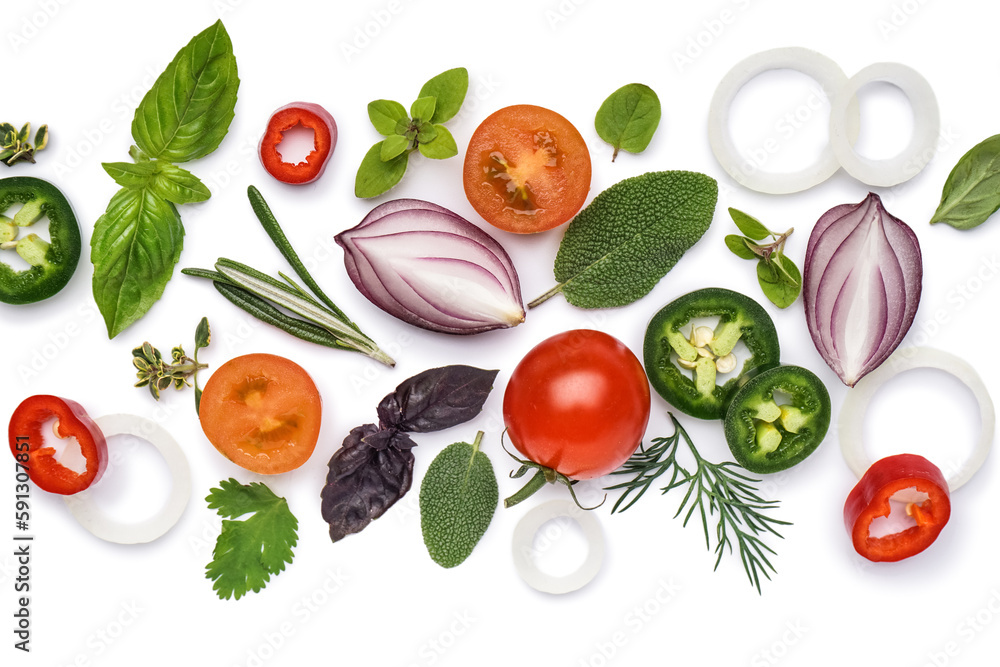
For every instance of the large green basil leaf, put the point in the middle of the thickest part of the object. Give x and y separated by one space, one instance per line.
134 248
187 112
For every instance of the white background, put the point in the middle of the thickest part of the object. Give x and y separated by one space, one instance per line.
377 598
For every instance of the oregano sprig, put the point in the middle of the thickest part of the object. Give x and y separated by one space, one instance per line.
420 129
778 276
156 373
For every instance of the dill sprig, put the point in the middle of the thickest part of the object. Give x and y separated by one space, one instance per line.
713 489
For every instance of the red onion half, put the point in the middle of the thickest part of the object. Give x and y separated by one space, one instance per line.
432 268
861 286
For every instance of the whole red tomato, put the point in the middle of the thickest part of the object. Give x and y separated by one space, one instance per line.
577 403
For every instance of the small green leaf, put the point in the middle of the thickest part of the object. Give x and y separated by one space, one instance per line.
403 126
423 109
42 138
393 146
202 335
628 118
137 155
176 184
738 245
376 177
386 115
129 175
749 225
25 132
449 89
6 129
427 132
6 154
458 498
972 192
775 286
441 147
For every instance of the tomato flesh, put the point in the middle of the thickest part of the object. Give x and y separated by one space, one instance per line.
527 169
577 403
262 412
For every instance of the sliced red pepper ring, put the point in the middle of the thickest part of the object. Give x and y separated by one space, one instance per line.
906 478
27 443
307 115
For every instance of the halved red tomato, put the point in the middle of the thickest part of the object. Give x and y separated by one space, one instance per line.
262 412
527 169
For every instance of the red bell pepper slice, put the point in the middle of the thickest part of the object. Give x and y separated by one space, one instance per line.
309 115
28 445
870 500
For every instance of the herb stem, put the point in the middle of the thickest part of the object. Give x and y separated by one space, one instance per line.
534 484
545 297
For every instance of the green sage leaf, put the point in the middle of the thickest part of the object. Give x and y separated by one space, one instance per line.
423 109
780 286
134 248
749 225
375 176
458 498
628 118
448 89
971 193
176 184
738 246
442 146
386 116
187 112
630 236
392 146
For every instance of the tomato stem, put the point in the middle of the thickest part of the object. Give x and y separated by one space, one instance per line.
537 481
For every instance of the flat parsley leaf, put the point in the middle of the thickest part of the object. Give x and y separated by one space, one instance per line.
248 552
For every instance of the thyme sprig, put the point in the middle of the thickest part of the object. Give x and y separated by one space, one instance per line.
713 489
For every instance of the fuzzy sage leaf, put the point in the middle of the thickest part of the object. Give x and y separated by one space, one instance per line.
630 236
458 498
628 118
971 193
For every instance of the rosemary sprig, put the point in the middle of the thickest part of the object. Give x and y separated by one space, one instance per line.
720 489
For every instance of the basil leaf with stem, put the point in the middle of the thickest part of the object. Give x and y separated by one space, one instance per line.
628 118
971 194
187 112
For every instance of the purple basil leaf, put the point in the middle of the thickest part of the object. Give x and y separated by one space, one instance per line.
389 437
436 399
363 482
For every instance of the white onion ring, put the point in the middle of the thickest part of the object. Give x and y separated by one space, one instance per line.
852 414
926 126
90 516
523 548
830 78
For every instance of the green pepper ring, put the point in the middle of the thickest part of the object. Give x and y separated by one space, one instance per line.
757 333
808 394
63 254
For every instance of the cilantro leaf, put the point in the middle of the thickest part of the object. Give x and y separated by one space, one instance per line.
248 552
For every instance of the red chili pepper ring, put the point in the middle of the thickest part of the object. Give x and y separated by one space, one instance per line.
308 115
903 477
28 445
